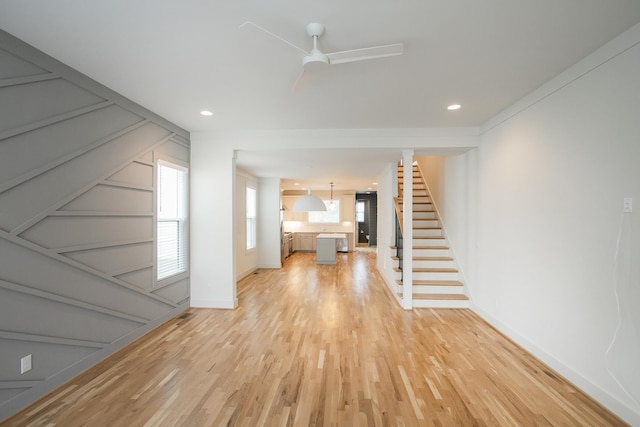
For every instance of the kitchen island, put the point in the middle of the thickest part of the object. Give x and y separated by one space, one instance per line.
326 244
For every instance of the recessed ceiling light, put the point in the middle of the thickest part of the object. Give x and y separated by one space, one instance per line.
374 183
296 183
206 113
454 107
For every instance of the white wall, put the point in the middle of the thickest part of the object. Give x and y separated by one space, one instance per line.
386 225
213 258
269 255
550 258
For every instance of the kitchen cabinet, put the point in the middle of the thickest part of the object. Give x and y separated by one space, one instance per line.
326 245
307 242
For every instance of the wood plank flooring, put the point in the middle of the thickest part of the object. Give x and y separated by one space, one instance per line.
319 345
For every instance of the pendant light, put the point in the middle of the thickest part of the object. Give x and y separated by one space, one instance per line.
309 203
331 204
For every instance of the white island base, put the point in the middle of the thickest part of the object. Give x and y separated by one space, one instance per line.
326 247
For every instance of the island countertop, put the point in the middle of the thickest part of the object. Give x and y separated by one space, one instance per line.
331 236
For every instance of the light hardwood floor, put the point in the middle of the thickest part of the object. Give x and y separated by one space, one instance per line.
315 345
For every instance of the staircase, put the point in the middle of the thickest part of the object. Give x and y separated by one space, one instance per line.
436 280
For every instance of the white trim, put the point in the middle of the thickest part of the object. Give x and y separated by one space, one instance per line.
228 304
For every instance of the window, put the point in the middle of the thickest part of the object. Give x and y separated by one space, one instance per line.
360 211
331 215
251 218
172 220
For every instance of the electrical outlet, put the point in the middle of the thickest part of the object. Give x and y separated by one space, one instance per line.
25 364
627 204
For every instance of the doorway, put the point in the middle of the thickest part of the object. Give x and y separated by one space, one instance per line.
367 219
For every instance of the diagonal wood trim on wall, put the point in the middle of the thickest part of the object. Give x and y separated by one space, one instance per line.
77 222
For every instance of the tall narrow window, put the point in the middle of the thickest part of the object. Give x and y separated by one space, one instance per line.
360 211
172 220
251 218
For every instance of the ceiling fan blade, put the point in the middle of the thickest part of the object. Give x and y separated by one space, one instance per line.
300 81
251 24
366 53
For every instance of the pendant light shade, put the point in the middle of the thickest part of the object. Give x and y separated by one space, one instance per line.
309 203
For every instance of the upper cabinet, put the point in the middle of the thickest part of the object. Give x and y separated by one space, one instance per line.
348 207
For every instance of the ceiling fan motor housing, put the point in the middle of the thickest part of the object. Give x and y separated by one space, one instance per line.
315 57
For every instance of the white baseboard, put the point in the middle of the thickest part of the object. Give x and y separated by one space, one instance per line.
228 304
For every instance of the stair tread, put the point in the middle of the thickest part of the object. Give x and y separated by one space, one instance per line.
428 237
426 258
428 247
434 283
434 270
461 297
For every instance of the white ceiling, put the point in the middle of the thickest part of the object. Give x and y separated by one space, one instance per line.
179 57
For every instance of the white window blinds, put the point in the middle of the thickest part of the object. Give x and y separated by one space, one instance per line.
172 220
251 218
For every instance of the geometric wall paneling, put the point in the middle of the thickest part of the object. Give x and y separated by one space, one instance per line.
80 323
14 67
57 357
63 232
112 199
57 275
141 278
175 150
29 103
77 229
35 149
147 158
76 175
135 174
176 292
118 258
6 394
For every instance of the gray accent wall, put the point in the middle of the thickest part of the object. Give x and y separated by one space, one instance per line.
77 222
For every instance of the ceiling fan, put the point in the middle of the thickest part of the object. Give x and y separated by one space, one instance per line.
315 58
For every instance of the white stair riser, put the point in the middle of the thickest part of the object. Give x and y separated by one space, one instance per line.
422 208
417 223
428 242
431 289
424 215
432 264
418 303
430 252
418 275
436 232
